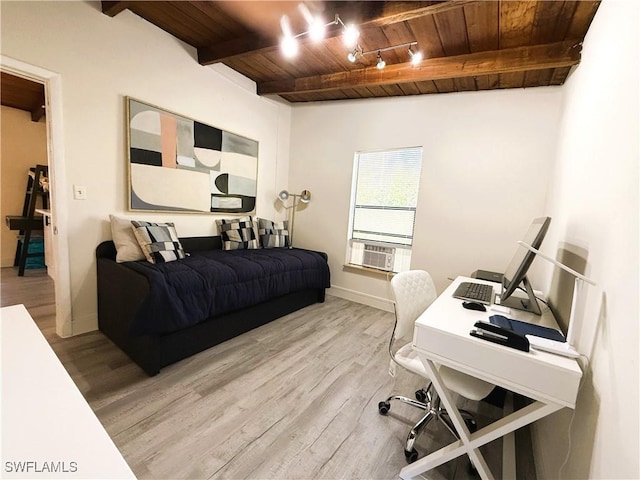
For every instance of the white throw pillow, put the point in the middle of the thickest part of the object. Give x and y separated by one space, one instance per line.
127 246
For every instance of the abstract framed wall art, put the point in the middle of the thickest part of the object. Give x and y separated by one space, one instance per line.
181 165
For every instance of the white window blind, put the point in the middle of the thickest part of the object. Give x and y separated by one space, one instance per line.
385 195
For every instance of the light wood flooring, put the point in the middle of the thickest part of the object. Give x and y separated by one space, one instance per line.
294 399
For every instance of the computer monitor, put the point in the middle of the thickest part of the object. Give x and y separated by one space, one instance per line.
516 272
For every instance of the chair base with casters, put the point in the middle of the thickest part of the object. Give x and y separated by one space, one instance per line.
428 401
413 292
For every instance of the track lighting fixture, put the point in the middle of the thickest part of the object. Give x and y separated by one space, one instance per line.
350 35
317 27
416 57
353 56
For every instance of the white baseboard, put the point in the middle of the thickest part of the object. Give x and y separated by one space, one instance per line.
359 297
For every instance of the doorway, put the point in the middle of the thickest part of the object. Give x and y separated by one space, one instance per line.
57 180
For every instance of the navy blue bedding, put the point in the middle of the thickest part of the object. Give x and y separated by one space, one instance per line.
213 282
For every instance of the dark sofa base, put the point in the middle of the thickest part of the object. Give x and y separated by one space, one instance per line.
155 352
120 293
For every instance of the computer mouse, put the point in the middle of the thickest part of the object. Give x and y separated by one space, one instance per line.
474 306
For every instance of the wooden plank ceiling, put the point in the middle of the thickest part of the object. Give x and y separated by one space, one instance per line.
23 94
467 45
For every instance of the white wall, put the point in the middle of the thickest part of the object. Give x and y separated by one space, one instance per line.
101 60
486 167
594 204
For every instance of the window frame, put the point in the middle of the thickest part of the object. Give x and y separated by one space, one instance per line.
355 241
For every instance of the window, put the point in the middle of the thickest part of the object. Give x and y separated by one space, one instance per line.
384 197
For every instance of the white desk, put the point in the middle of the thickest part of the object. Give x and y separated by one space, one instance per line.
441 336
48 429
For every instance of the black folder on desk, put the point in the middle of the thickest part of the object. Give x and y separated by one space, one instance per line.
524 328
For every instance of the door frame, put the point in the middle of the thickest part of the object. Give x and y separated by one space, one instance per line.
52 82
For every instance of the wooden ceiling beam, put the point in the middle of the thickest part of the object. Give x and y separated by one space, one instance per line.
397 12
520 59
37 112
113 8
371 17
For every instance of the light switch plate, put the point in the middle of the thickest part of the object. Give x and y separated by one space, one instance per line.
79 192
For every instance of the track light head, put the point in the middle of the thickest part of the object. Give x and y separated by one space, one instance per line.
289 47
350 35
353 56
288 44
416 57
305 196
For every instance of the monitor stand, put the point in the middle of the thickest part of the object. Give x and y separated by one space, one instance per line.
529 304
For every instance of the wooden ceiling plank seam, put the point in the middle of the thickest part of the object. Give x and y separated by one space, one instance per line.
538 78
445 85
269 68
559 75
564 20
453 32
582 18
512 80
298 68
392 90
427 36
195 16
421 12
157 14
560 54
516 21
427 87
228 25
409 88
245 68
323 56
465 84
257 68
545 22
483 26
186 24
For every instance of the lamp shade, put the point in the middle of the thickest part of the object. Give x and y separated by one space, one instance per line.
305 196
283 195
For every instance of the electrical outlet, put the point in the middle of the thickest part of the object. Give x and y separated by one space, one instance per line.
79 192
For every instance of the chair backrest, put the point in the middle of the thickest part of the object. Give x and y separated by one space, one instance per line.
413 292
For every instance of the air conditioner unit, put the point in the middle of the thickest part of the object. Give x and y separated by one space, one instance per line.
376 256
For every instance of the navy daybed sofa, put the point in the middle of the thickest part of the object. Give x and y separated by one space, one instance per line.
161 313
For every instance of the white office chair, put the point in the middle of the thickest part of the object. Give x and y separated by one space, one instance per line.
413 292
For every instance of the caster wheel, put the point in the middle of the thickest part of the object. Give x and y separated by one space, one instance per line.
421 396
411 456
383 407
